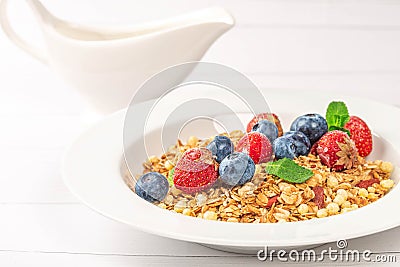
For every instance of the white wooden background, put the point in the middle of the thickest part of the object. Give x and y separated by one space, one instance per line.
347 46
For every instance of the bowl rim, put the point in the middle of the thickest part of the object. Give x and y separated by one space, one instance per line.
95 179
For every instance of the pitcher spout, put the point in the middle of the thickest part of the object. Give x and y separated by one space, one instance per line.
195 32
40 11
217 16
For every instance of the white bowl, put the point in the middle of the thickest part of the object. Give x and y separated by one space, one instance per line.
92 171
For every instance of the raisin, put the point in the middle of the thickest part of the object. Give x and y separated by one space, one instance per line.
367 183
319 199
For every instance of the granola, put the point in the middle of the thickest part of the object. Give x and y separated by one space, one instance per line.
269 199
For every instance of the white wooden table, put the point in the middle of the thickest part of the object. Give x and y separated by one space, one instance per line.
347 46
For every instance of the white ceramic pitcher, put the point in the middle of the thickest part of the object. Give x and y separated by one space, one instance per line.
108 66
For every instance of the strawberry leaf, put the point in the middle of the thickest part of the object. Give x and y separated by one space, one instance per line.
337 115
289 171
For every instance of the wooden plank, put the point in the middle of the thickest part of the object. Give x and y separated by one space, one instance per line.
32 176
45 234
74 228
21 259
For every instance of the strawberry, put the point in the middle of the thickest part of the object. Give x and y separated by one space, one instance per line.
257 146
265 116
360 134
313 149
195 171
337 151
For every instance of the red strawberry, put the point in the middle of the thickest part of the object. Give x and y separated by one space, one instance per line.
257 146
265 116
195 171
337 151
360 134
313 149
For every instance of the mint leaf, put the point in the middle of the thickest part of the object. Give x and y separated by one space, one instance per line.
170 177
337 115
289 171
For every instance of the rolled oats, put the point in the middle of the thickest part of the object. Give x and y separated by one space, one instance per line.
268 199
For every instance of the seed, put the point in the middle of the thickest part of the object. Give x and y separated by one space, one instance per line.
346 186
339 199
162 205
168 200
387 167
322 213
387 184
344 210
154 159
363 192
201 199
354 206
332 181
210 215
342 192
371 189
192 141
303 209
346 204
332 208
372 196
263 198
258 169
175 191
178 209
187 212
168 165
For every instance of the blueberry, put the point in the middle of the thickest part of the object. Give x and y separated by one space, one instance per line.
267 128
291 145
312 125
236 169
284 147
152 187
302 143
220 147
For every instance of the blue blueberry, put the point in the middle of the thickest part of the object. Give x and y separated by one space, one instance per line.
291 145
312 125
152 187
302 143
220 147
284 147
236 169
267 128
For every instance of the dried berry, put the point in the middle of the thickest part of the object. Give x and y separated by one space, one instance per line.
319 198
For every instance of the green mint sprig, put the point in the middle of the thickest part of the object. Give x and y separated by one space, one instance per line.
289 171
170 177
337 115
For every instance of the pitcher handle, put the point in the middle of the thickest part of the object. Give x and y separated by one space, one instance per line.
15 38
